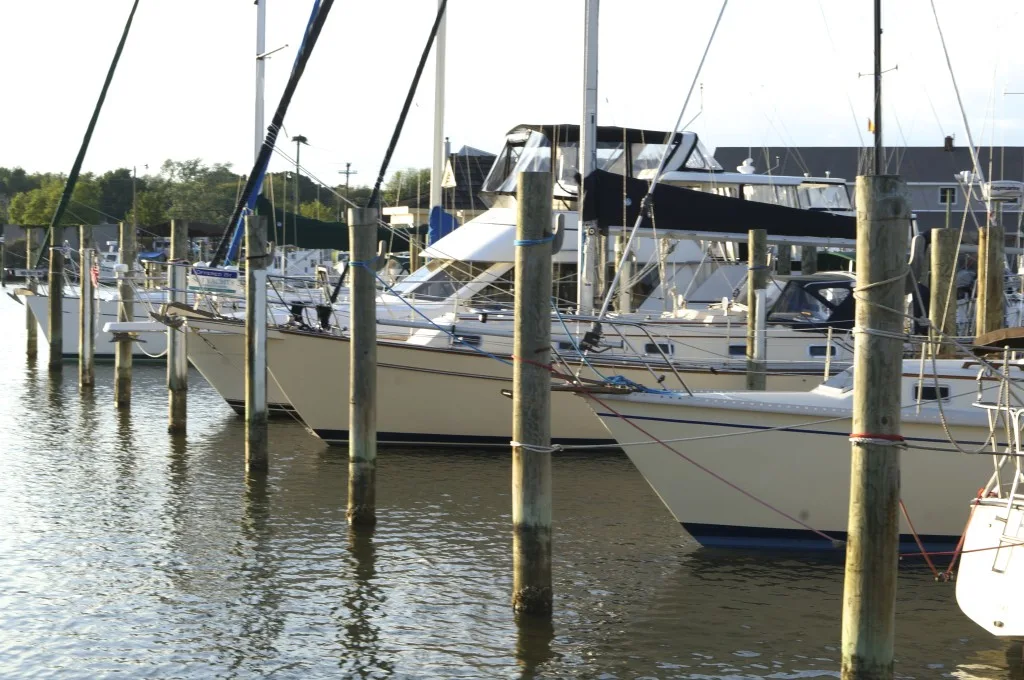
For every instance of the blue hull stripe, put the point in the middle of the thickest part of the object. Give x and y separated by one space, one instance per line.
340 438
724 536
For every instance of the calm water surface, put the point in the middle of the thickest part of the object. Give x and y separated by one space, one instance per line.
127 553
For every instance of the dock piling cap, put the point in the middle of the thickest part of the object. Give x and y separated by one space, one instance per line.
997 340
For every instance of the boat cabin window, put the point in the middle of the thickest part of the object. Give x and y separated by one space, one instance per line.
809 301
823 196
770 193
532 151
930 393
440 279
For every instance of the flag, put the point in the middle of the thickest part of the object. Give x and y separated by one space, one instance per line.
871 125
94 274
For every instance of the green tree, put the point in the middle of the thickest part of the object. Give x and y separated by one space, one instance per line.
317 210
405 186
16 181
195 191
36 207
152 208
116 192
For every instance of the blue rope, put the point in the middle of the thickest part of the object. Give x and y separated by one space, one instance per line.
623 381
533 241
427 318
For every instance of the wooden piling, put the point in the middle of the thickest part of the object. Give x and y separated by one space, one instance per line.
86 311
869 602
256 455
362 409
31 324
808 259
531 399
3 261
942 305
990 314
177 357
784 260
757 282
55 290
125 312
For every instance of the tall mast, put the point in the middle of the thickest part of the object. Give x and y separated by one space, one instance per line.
879 152
437 167
261 48
587 243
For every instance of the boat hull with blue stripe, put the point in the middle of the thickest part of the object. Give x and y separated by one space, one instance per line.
772 469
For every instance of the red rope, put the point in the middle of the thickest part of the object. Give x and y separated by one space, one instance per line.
917 539
948 574
886 437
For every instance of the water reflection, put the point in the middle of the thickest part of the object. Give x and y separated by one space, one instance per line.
362 608
534 635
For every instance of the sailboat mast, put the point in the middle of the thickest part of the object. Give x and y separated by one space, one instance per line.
587 243
879 153
261 48
437 167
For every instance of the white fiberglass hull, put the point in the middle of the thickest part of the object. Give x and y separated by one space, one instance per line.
992 567
426 396
152 345
792 458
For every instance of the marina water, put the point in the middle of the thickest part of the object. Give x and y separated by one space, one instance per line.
125 552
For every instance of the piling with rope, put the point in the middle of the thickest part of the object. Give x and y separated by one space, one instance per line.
757 282
256 260
55 290
125 313
872 552
86 310
531 399
362 413
177 337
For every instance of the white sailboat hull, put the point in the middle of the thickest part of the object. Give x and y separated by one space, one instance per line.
732 490
992 568
426 396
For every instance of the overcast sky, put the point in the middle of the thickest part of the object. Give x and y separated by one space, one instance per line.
779 73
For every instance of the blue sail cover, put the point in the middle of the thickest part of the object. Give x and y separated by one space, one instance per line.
261 169
441 224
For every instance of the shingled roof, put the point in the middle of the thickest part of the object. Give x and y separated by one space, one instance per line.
914 163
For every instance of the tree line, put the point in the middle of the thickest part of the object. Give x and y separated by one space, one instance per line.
190 190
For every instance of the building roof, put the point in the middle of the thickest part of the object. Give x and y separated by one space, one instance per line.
914 163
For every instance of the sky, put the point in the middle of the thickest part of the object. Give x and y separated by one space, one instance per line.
778 73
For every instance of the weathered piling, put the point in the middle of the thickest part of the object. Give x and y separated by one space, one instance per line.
31 325
808 259
55 286
362 393
531 399
757 282
784 260
256 260
125 312
869 602
942 305
177 337
990 314
86 310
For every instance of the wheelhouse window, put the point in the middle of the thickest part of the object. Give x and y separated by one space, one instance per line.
947 195
768 193
823 196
